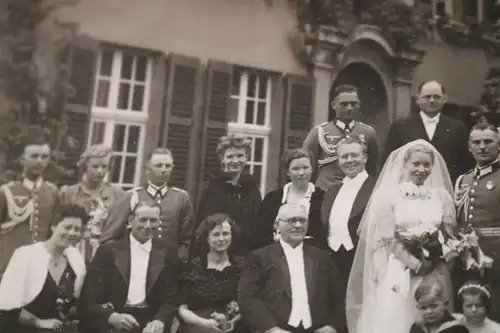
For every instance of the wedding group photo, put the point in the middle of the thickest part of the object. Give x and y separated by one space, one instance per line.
250 166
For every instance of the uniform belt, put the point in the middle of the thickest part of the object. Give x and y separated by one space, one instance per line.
488 232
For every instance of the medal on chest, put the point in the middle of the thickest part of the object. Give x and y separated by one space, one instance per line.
490 185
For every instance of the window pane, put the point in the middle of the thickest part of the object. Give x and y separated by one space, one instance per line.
261 113
133 138
140 68
249 112
123 96
129 171
235 91
101 99
258 150
262 86
115 171
106 62
252 82
233 109
97 135
257 173
127 62
119 138
138 98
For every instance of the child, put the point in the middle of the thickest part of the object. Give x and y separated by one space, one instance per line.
433 308
475 302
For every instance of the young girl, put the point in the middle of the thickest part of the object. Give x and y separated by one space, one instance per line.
475 302
433 308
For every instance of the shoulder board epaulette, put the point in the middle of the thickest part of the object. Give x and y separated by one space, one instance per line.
323 124
178 189
135 189
469 171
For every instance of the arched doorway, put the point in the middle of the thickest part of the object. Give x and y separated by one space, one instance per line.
374 105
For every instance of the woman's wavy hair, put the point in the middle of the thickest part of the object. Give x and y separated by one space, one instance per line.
201 247
233 141
94 151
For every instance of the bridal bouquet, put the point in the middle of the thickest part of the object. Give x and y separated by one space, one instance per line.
422 241
226 320
466 247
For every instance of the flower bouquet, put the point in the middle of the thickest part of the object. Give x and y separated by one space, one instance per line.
67 314
421 241
226 321
466 247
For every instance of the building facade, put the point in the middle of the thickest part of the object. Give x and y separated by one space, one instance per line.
182 73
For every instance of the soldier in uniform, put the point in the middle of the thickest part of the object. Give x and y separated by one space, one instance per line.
322 140
29 205
176 210
477 197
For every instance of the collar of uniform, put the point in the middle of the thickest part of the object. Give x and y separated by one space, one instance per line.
286 190
486 170
343 126
152 189
134 243
30 185
426 119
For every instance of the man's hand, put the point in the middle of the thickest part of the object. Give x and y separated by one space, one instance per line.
50 324
210 324
155 326
123 321
326 329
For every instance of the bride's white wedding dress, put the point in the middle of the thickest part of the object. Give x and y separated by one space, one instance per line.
392 307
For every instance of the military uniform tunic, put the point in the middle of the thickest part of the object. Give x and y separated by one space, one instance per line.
477 196
27 210
322 142
176 216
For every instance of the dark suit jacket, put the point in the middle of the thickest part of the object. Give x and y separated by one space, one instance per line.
268 211
265 295
108 279
358 208
450 139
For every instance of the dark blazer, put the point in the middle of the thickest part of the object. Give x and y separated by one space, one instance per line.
265 295
450 139
269 210
107 282
358 208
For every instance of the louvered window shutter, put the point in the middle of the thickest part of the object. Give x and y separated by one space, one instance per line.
216 114
81 57
182 119
299 108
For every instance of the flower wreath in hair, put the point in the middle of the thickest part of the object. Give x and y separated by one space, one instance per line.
475 286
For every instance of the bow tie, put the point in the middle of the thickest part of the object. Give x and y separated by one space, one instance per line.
431 121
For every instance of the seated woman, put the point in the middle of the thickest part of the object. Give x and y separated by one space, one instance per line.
298 167
234 192
43 280
209 282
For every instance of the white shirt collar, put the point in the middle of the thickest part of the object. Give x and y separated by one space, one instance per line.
428 120
153 189
288 249
134 243
286 191
30 185
359 179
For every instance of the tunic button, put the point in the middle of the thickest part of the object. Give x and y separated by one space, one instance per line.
472 199
475 184
471 216
473 191
471 207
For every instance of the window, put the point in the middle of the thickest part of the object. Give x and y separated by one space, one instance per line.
250 115
120 111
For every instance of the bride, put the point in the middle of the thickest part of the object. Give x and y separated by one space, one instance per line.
414 191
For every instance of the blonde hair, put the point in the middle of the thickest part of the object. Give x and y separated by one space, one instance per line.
419 148
94 151
233 141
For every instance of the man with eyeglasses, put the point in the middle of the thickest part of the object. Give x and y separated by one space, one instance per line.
448 135
289 286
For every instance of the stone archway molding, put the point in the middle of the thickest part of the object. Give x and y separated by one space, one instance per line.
372 33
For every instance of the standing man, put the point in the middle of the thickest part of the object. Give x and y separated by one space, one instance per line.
448 135
27 206
289 286
131 285
477 196
176 210
323 139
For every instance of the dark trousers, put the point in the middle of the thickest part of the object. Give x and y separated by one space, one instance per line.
343 261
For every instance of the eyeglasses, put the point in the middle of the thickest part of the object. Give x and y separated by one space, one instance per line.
293 220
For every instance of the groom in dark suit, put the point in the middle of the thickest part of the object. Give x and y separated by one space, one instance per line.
449 136
289 286
344 204
131 284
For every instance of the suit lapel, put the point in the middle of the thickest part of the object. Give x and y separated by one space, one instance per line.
441 129
327 204
421 132
362 198
284 270
155 266
310 271
122 259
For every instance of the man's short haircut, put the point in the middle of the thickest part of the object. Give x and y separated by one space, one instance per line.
354 138
421 85
288 206
345 88
160 151
37 136
482 124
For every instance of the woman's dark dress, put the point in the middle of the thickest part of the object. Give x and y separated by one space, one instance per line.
205 291
53 302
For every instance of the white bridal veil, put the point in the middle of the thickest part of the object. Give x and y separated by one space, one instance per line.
369 262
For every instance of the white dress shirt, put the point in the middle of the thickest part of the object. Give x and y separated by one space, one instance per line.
300 299
139 261
338 220
430 124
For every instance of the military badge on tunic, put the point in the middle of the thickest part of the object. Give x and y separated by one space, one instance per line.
490 185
